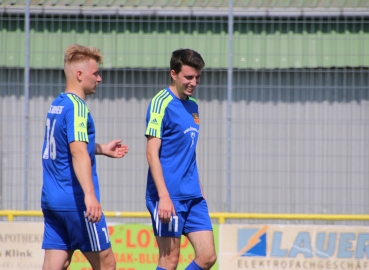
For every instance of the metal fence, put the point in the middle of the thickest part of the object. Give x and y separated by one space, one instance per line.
284 124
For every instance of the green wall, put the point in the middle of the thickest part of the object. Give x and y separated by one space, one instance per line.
147 42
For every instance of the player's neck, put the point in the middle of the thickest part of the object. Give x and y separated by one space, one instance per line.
75 90
177 93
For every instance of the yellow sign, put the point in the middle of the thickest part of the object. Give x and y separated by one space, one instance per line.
135 248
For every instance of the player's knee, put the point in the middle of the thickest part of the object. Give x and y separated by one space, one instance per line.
173 263
111 264
66 264
211 260
208 261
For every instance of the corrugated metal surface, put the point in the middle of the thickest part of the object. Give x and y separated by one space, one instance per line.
195 3
191 8
299 138
145 43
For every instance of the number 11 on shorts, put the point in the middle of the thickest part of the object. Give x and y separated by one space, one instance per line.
173 222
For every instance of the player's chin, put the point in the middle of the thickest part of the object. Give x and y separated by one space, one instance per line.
190 92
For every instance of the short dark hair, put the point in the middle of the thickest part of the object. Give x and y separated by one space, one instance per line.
186 57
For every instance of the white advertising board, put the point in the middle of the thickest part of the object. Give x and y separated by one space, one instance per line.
293 247
20 245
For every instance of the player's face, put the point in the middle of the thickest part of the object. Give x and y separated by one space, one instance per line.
185 81
91 77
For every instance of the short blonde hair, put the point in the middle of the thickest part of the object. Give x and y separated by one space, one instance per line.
79 53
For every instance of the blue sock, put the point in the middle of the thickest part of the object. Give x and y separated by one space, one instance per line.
193 266
159 268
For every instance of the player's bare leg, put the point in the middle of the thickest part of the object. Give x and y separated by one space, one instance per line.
203 244
57 259
168 252
101 260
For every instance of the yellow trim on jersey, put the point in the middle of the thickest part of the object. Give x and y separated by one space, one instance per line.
193 99
157 108
80 118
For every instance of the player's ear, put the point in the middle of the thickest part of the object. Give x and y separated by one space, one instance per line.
79 75
173 75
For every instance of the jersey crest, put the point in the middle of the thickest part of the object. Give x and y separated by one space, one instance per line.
196 118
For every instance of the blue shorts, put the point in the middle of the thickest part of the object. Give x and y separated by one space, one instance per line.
70 230
192 216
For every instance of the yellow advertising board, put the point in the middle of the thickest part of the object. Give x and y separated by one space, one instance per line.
135 248
293 247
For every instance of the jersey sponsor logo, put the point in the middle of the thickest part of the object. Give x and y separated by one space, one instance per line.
192 133
190 129
196 118
82 125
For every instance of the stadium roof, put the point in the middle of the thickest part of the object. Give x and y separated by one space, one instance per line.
213 8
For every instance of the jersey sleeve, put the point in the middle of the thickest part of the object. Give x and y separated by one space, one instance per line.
76 120
154 124
156 113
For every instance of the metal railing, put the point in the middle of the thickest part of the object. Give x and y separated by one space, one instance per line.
221 216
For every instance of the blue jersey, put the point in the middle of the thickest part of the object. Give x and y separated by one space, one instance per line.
67 120
176 123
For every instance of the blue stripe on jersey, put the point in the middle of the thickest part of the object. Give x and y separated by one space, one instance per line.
152 132
82 136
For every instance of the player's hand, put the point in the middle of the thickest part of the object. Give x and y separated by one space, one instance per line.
113 149
93 209
166 209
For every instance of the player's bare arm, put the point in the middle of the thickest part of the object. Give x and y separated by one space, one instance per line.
202 190
82 168
113 149
166 208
